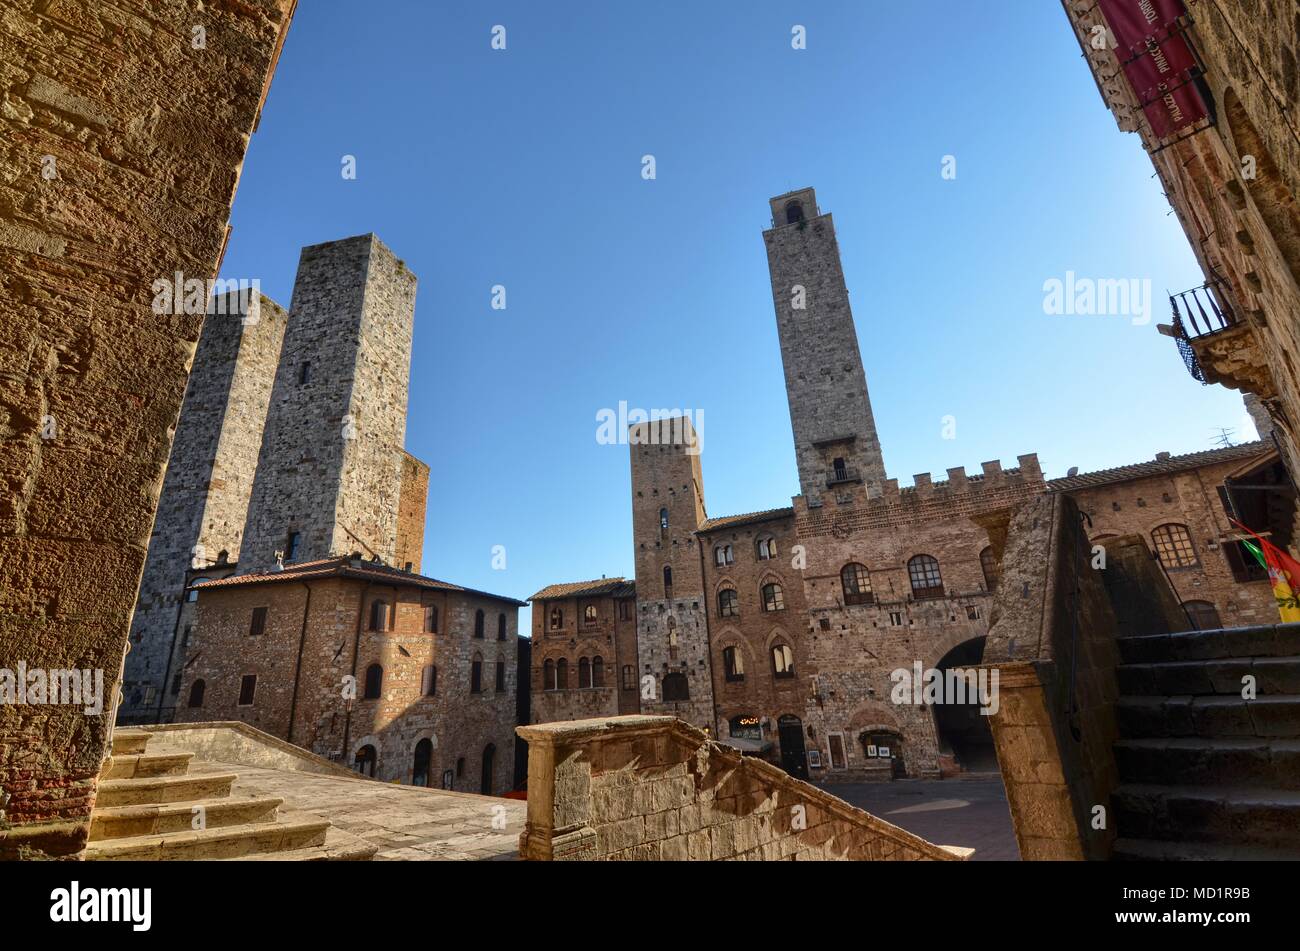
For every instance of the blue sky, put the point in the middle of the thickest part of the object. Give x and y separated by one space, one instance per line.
522 168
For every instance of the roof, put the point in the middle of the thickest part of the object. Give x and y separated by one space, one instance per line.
345 567
749 518
609 587
1142 470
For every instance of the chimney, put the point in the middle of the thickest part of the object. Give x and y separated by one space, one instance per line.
1162 456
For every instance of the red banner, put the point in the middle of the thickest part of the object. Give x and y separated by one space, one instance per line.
1132 21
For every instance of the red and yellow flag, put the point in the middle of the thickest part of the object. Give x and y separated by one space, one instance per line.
1283 573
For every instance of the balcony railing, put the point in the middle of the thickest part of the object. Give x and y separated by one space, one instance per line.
839 476
1204 311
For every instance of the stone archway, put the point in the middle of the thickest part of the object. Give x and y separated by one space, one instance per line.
962 730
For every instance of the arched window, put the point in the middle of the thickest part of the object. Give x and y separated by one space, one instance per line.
728 603
500 675
992 570
476 674
676 688
723 556
1203 614
420 769
856 582
589 616
431 619
773 597
629 677
663 521
379 615
548 675
793 212
561 674
429 682
923 572
478 624
501 627
766 549
364 761
584 673
374 682
598 671
734 664
1174 546
557 618
668 581
782 661
196 693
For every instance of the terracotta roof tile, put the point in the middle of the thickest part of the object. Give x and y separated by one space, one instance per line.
1142 470
732 521
611 587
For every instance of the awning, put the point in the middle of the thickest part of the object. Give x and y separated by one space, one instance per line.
745 745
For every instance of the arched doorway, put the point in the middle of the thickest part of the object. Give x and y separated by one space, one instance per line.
962 729
790 734
880 744
364 762
489 755
420 775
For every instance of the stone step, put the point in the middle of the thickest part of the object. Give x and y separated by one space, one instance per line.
160 789
223 842
1228 814
137 765
115 822
127 742
1273 675
1151 850
339 847
1222 715
1263 640
1206 761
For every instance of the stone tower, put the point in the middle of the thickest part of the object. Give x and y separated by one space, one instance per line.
830 411
672 607
204 501
330 471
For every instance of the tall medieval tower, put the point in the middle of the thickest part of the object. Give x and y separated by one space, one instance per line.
330 472
834 432
672 609
204 500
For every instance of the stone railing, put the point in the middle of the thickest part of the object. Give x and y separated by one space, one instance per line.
654 788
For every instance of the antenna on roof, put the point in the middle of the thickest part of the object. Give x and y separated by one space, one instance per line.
1073 471
1223 439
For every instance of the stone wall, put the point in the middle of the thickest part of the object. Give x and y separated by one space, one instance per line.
646 788
411 509
102 192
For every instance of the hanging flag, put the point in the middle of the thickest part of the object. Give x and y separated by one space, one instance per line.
1283 573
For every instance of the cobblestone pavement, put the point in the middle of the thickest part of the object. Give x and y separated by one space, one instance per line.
967 812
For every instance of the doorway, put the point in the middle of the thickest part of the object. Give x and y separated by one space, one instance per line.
962 729
793 759
489 754
423 760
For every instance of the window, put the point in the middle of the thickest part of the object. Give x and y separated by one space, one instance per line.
378 615
676 688
836 742
856 582
478 624
501 675
1245 566
192 595
598 671
733 664
663 521
304 373
584 673
841 470
557 618
992 570
589 616
562 674
625 609
668 581
548 675
793 212
476 674
429 682
773 599
1203 615
1174 546
766 549
722 556
629 677
728 603
257 625
431 619
923 572
501 627
196 693
374 682
247 687
292 546
782 661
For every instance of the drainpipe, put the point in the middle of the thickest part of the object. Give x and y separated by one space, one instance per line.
297 664
356 647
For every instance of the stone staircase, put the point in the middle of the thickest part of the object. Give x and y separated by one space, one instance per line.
1205 774
148 803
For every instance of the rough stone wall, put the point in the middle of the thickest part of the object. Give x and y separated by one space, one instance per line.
824 379
330 466
755 632
459 723
411 509
102 192
572 642
669 477
655 789
204 499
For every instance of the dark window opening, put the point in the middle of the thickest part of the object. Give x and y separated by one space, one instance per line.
257 625
247 687
374 682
